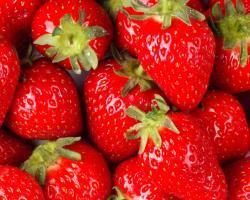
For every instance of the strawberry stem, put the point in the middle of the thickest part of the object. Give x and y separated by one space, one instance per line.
118 196
71 40
47 154
150 123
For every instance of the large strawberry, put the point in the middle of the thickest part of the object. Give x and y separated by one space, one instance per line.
9 74
46 104
77 172
129 30
108 91
16 185
224 120
238 178
16 18
177 154
13 150
231 23
76 33
176 49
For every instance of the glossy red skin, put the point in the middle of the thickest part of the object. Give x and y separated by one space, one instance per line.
49 15
105 107
238 179
9 74
179 59
129 30
87 179
134 182
13 150
16 184
186 165
46 104
224 120
16 18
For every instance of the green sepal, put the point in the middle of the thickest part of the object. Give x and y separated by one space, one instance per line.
70 40
150 123
119 195
47 154
244 53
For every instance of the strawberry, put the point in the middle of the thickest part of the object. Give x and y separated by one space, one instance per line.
176 49
238 178
129 30
13 150
224 120
9 74
16 18
231 24
46 104
16 184
77 172
177 154
108 91
74 33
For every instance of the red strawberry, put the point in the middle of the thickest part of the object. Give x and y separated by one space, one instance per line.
16 184
177 154
108 91
238 178
232 63
75 33
46 104
177 52
77 172
15 19
225 122
129 30
9 74
13 151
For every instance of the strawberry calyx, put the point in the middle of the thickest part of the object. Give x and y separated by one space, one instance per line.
119 195
47 154
70 40
131 69
150 123
165 11
233 27
114 6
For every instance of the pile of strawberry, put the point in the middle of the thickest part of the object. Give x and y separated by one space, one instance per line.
158 108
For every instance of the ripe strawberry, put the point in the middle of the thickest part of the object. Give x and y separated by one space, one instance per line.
46 104
77 172
13 150
16 184
224 120
177 52
177 154
231 26
129 30
238 179
9 74
75 33
108 91
15 19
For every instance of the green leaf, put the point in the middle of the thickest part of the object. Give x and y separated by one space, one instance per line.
95 32
51 52
135 113
57 31
229 7
244 53
58 58
46 39
75 65
216 11
91 57
240 7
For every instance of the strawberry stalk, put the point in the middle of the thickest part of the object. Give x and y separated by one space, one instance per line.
118 196
70 40
233 27
150 123
47 154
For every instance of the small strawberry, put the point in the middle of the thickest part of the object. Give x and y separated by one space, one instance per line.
238 179
176 49
16 185
177 154
224 120
231 24
74 33
13 150
46 104
77 172
108 91
9 74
